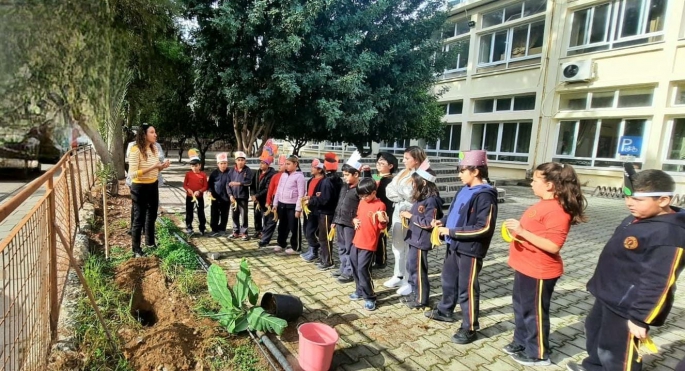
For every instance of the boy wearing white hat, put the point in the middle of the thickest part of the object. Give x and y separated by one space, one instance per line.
218 181
239 181
195 185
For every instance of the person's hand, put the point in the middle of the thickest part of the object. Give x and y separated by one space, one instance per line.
513 225
196 194
637 331
332 225
357 223
232 199
382 217
444 231
297 214
318 194
405 214
254 198
436 223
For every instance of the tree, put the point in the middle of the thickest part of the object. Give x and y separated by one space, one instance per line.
349 70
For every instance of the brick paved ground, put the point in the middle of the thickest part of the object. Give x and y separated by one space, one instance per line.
396 338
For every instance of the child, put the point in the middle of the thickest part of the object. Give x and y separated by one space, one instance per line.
386 165
240 179
534 255
311 221
348 201
370 220
427 207
218 181
260 187
288 205
324 200
468 229
634 282
269 214
195 184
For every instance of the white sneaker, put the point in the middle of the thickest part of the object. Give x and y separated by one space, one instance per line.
278 249
393 282
290 251
404 289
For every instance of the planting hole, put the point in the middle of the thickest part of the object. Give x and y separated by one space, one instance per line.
147 318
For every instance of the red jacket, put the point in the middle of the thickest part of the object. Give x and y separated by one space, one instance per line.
271 192
195 182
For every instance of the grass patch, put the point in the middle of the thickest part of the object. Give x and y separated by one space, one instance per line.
223 354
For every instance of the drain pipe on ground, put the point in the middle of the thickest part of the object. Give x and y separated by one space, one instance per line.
263 339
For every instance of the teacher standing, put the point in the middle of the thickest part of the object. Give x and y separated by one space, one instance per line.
144 169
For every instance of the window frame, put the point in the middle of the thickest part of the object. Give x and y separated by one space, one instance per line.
678 88
500 128
670 124
613 27
511 103
510 27
614 104
435 148
598 127
461 38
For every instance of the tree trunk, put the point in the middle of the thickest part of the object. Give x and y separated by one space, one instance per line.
98 142
181 142
360 148
117 151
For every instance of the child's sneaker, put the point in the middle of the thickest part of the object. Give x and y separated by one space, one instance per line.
234 236
414 305
202 233
278 249
513 348
404 290
354 297
393 282
370 305
290 251
189 231
244 237
523 359
324 267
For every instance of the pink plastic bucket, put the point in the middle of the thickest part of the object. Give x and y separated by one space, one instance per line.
317 344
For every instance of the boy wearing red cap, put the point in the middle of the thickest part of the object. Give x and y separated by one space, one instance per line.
324 201
311 220
270 227
195 185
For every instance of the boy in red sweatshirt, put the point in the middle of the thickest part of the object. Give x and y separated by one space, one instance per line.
370 221
195 185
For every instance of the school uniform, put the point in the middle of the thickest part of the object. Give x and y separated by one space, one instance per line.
381 258
287 201
536 275
325 203
471 223
311 221
269 223
364 246
218 212
418 238
195 182
260 188
634 280
345 211
241 194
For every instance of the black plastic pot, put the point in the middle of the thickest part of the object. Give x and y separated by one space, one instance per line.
287 307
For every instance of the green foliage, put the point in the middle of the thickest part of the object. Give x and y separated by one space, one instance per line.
91 337
235 314
177 257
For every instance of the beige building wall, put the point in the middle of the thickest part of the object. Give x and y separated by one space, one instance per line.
636 84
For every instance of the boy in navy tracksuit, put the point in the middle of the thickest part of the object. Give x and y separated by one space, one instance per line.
217 183
259 188
238 189
468 228
634 282
427 207
311 220
348 202
324 201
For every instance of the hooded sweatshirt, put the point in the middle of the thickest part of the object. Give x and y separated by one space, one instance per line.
638 267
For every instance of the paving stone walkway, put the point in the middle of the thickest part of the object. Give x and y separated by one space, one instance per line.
396 338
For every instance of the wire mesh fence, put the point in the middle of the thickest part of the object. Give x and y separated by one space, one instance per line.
34 263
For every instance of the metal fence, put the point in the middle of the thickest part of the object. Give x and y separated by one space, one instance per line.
34 258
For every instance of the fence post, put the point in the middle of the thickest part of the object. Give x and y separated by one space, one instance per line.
92 166
52 278
73 197
86 165
80 186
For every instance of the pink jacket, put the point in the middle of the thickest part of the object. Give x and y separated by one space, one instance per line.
291 189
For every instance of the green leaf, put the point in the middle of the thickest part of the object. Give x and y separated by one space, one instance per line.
242 285
241 324
217 285
253 292
261 321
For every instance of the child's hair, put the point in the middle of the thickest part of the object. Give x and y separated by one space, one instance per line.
350 169
293 159
390 159
566 189
482 172
141 140
653 181
366 186
423 188
417 153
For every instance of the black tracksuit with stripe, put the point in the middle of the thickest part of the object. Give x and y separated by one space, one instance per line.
419 240
464 255
324 201
634 280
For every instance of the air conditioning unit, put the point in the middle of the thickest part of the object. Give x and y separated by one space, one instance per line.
576 71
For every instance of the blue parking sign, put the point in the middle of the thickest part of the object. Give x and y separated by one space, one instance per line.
630 146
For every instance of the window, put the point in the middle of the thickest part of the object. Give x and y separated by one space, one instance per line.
516 103
504 141
458 55
447 143
594 142
457 28
526 42
514 12
395 147
623 98
675 154
615 24
455 108
679 92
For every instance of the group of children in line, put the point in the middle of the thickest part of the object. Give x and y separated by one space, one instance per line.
633 284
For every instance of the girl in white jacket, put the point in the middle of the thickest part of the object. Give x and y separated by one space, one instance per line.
400 192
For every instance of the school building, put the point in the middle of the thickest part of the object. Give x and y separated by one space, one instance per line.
583 82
